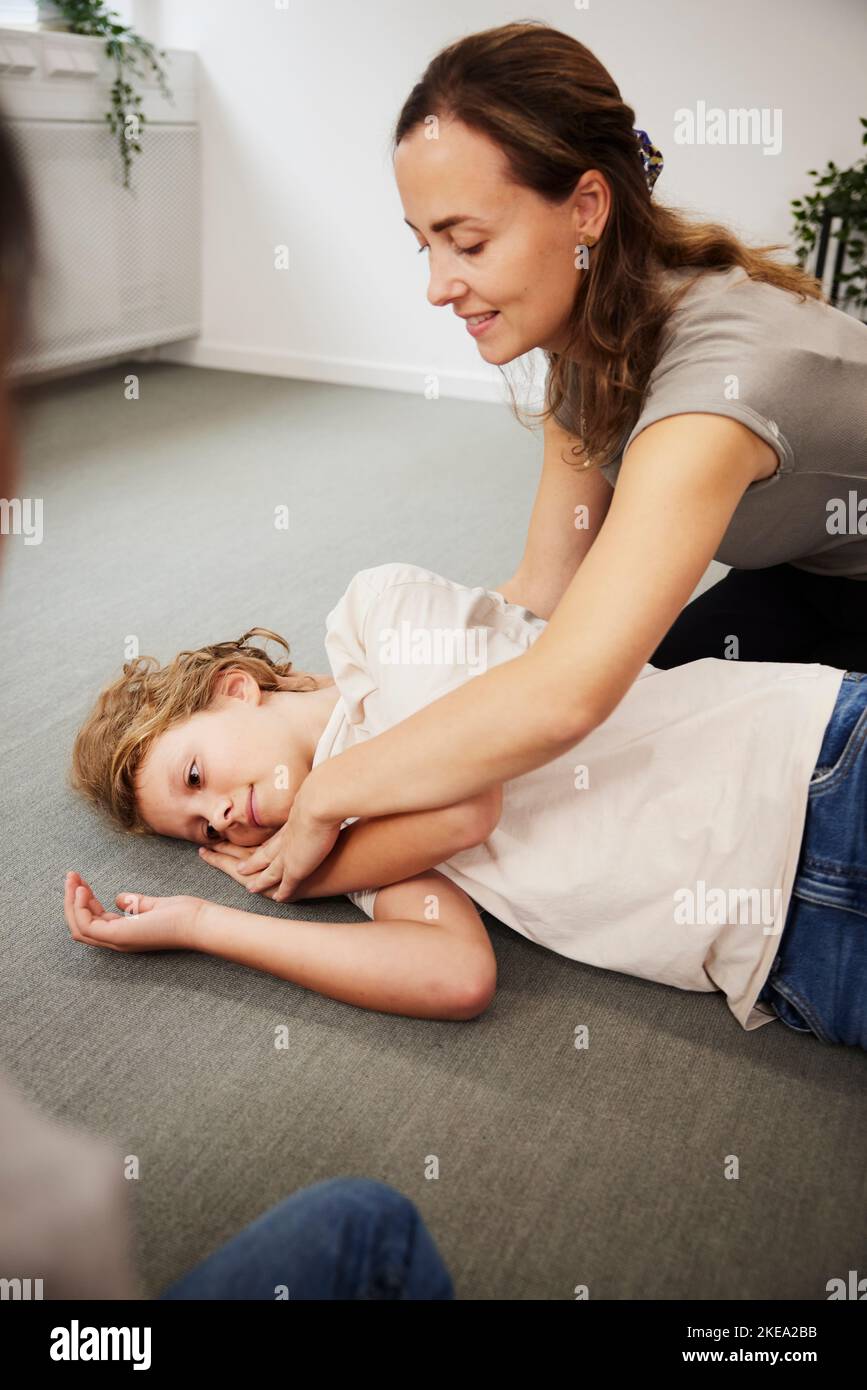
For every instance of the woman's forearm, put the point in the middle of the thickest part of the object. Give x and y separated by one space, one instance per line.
496 726
396 967
540 594
384 849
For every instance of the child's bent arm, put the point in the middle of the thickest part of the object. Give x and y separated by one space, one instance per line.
426 954
386 849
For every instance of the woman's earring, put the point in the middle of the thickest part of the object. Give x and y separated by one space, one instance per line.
582 252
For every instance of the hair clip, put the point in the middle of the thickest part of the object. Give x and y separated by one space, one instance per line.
651 157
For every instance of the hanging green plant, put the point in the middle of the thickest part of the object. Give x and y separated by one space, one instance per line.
132 56
840 193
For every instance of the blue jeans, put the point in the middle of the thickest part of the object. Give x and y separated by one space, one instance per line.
818 981
345 1238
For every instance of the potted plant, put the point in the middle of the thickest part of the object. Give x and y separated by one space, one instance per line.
131 54
841 193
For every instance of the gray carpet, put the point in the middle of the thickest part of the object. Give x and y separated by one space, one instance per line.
557 1167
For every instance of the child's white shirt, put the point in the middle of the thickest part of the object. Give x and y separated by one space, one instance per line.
663 845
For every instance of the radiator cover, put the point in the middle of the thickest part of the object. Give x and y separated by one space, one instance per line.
119 268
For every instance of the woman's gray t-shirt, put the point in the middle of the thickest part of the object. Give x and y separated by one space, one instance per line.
795 372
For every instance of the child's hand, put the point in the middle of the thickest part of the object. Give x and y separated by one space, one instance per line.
229 857
290 856
158 924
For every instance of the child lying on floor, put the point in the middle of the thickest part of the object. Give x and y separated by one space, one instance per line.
665 845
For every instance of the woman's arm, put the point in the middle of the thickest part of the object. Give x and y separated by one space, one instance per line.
426 954
555 544
679 484
386 849
381 850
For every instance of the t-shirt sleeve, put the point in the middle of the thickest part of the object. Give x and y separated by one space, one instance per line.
723 357
366 624
364 898
345 645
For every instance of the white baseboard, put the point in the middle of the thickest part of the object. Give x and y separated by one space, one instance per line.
343 371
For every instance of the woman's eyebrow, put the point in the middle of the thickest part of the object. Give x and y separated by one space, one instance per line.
446 222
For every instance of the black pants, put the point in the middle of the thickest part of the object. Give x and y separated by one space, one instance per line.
777 614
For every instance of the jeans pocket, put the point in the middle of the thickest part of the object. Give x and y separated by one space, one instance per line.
825 779
786 1011
795 1011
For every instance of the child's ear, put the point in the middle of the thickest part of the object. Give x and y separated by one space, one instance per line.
238 684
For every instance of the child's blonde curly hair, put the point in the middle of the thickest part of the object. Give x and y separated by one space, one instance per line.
147 699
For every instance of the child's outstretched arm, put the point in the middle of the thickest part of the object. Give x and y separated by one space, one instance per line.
426 954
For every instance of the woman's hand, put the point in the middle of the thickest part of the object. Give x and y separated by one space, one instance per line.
152 924
291 855
228 857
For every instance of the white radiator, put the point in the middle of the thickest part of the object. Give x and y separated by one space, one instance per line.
119 268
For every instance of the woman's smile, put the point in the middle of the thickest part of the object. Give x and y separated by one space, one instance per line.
476 326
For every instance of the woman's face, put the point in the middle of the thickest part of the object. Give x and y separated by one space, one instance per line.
512 251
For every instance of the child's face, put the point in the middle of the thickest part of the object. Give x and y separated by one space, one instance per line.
202 772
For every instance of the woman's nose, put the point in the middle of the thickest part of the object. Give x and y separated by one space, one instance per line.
440 298
442 290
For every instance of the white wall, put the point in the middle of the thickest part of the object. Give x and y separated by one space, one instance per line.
297 107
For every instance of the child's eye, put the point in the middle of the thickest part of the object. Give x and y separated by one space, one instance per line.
210 832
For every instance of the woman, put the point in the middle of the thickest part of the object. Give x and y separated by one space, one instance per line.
722 405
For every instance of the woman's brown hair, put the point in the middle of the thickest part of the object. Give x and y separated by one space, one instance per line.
556 112
147 699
